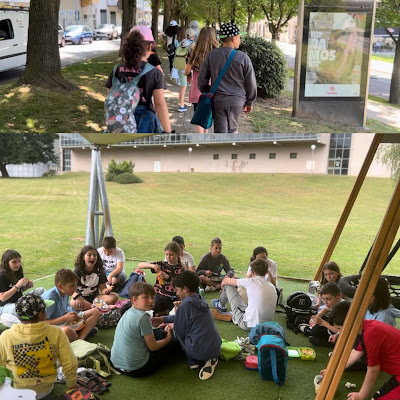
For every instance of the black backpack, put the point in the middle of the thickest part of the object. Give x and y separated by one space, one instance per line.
298 310
171 47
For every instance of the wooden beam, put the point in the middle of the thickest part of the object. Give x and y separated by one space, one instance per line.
373 269
350 202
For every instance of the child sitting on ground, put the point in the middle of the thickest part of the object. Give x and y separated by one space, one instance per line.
261 295
92 280
331 273
194 326
136 350
166 272
322 325
211 265
61 312
32 349
113 261
186 258
380 343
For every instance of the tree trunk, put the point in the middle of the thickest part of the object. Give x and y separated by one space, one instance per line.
3 171
249 18
167 13
128 17
155 11
43 65
394 96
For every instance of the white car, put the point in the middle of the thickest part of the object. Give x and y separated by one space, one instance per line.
106 31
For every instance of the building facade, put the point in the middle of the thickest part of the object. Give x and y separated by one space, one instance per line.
335 154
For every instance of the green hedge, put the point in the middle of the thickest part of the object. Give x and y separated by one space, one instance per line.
269 65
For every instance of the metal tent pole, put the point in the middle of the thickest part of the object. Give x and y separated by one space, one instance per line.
97 203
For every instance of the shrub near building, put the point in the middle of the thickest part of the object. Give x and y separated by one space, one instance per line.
122 172
269 65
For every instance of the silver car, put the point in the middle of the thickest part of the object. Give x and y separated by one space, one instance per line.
106 31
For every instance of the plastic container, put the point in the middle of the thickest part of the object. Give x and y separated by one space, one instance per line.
307 353
293 352
317 382
251 363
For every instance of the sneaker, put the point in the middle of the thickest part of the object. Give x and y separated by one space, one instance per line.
216 304
182 109
201 292
305 328
221 316
194 366
207 371
93 332
210 289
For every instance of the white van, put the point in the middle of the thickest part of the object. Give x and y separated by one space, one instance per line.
14 22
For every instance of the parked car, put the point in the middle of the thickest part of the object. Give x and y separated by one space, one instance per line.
119 30
61 36
77 34
106 31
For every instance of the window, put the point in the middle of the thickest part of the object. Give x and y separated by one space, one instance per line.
293 155
234 156
339 153
272 156
216 157
66 160
252 156
6 30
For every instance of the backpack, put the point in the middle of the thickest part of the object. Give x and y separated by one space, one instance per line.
180 56
93 381
171 46
112 317
121 102
92 355
134 277
266 328
298 310
272 358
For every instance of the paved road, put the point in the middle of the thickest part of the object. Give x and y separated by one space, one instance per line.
71 54
380 74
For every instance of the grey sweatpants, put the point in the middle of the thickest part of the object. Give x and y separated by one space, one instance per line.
226 118
231 295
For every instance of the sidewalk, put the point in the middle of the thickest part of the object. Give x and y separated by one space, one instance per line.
180 121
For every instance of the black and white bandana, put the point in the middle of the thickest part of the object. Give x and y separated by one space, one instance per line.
228 30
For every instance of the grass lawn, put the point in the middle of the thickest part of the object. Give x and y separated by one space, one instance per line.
28 109
383 57
292 215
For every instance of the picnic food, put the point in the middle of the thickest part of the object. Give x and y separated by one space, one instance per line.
306 352
74 322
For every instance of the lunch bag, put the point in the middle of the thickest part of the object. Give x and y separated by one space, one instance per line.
272 358
121 102
111 318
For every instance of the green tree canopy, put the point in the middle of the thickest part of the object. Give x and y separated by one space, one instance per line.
29 148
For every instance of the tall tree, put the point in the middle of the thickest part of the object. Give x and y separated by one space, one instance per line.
278 14
387 17
389 155
155 12
128 16
30 148
43 65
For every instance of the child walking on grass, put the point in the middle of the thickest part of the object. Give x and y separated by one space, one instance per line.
61 312
166 272
12 281
137 350
194 326
92 280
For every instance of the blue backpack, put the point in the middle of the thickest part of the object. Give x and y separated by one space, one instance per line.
123 290
272 358
266 328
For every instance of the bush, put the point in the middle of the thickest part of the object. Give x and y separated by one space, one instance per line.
110 176
120 168
269 65
127 177
49 172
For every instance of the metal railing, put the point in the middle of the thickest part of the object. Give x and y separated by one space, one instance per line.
76 140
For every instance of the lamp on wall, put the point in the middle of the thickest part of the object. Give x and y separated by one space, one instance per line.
313 147
190 151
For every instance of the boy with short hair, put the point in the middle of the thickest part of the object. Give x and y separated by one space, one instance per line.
237 89
194 326
261 298
323 327
136 351
186 258
61 312
381 343
31 349
211 265
113 261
